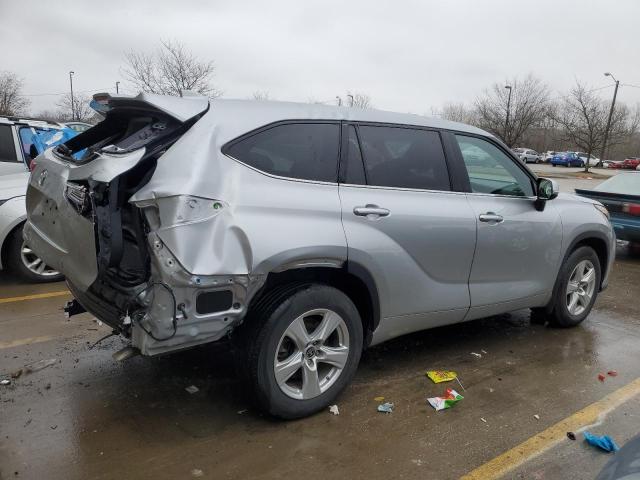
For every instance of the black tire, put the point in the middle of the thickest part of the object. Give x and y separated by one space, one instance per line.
259 338
559 315
15 264
554 165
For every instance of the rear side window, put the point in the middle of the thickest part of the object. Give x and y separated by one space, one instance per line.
404 157
307 151
7 147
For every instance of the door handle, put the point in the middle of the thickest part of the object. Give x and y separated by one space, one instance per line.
491 217
371 210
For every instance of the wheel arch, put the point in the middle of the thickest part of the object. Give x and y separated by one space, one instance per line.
351 278
598 243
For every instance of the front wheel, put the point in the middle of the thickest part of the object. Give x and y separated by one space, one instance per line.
302 346
576 288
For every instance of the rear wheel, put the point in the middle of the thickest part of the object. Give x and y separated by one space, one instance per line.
26 264
301 349
576 289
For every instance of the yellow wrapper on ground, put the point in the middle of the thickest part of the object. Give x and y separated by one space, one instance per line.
439 376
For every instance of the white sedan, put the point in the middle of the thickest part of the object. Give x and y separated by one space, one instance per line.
16 255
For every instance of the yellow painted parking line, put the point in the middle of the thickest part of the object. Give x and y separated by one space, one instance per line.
25 341
35 296
517 456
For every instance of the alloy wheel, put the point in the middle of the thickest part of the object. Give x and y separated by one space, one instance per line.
311 354
581 287
35 264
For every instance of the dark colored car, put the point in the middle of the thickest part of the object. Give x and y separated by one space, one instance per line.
567 159
621 195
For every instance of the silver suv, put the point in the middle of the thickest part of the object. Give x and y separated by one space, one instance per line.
305 233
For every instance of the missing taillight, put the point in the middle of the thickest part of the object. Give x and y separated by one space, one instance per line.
78 197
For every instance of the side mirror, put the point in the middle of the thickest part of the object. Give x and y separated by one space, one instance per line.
547 189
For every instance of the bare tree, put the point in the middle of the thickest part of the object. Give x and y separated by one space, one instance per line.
582 117
80 112
527 107
261 95
359 100
12 102
169 70
458 112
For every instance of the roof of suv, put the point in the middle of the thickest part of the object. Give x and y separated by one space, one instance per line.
247 115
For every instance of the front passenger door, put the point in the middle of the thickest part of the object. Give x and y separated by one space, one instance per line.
518 247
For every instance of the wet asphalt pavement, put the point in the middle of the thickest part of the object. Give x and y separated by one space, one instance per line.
88 416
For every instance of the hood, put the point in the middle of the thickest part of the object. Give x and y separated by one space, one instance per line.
14 185
578 198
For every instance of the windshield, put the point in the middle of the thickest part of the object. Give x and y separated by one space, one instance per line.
624 183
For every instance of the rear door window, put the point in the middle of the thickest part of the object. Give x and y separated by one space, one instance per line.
7 145
307 151
404 157
355 169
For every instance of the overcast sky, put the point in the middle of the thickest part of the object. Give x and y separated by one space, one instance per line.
407 55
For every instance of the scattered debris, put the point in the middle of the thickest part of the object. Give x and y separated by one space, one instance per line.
477 355
571 435
605 442
53 427
439 376
601 377
417 461
379 399
612 373
34 367
5 381
491 390
483 420
334 409
47 386
536 416
196 472
192 389
240 412
450 398
484 351
386 407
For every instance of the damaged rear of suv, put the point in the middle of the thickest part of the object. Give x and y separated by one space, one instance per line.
304 232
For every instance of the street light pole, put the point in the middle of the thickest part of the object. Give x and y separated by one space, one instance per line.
613 104
73 109
117 90
506 122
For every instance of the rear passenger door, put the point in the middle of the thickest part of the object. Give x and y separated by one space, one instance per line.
406 226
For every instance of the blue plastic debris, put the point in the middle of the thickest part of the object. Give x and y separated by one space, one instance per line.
385 407
605 442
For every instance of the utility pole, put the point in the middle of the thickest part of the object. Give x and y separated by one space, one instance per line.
117 90
613 104
73 104
339 100
506 122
